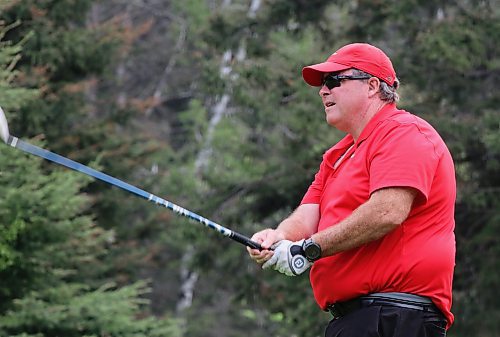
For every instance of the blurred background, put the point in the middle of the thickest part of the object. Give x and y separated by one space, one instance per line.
202 102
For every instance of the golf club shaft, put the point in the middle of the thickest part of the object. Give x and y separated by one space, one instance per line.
53 157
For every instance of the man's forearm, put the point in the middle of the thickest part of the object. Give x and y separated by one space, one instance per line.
293 230
369 222
302 223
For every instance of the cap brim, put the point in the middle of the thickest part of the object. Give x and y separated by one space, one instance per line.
313 74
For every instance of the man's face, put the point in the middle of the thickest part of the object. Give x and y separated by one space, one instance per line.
344 104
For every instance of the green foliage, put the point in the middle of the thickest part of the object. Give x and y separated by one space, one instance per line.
194 12
52 257
59 53
11 97
52 253
39 209
76 310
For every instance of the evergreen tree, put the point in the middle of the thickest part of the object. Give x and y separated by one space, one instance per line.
66 56
51 261
51 250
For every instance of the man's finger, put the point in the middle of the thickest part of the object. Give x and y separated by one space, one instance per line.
271 262
268 242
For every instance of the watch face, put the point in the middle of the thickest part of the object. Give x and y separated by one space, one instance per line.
312 251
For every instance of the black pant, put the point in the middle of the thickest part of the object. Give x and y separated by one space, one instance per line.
387 321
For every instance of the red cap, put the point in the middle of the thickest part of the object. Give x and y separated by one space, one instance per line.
361 56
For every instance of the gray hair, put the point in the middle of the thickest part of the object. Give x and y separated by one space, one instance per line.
387 93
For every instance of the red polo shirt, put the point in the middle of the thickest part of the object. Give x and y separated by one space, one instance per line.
396 148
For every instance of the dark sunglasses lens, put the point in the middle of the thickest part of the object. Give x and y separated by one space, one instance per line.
331 82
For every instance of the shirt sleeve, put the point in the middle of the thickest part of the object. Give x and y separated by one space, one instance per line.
405 156
315 190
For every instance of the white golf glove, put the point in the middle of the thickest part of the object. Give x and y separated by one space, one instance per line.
288 258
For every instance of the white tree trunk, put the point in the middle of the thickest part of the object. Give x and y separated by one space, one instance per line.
218 110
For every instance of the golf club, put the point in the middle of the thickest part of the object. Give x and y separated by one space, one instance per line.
53 157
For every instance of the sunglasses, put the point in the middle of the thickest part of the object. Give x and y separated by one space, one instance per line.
333 81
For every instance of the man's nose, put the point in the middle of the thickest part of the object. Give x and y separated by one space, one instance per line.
323 91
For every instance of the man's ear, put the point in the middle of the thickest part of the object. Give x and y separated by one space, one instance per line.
373 86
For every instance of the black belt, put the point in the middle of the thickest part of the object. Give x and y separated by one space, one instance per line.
401 300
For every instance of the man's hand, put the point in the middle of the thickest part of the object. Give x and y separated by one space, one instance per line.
267 238
288 258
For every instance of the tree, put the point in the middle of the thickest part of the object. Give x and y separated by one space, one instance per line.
51 261
51 250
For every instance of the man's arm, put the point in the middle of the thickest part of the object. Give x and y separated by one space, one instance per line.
302 223
385 210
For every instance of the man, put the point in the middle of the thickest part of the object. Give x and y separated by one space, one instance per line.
377 222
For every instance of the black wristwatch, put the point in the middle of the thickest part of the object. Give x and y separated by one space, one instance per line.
312 251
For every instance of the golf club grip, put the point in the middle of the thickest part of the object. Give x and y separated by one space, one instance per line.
71 164
246 241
